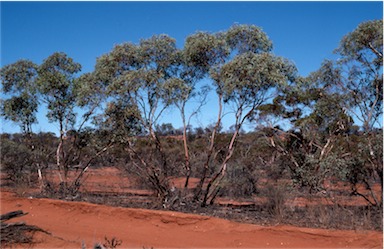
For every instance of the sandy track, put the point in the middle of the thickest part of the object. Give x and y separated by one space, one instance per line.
73 222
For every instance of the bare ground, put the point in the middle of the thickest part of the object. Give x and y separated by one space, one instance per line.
72 223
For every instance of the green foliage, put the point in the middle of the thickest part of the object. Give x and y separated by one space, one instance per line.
327 117
177 91
159 53
20 109
248 38
203 50
137 74
249 76
19 77
19 80
56 84
89 90
367 36
120 121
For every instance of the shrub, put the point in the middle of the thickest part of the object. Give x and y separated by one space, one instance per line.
239 182
17 162
276 198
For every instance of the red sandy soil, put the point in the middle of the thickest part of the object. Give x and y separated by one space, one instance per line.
112 180
73 222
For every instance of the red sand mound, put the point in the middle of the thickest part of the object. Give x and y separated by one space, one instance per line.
73 222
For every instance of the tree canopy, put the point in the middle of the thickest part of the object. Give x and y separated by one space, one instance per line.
18 80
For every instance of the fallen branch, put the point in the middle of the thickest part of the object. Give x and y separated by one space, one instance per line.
11 215
18 232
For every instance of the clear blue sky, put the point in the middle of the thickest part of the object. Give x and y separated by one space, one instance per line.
304 32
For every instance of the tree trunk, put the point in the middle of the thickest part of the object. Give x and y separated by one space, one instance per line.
62 169
77 183
199 188
159 148
215 181
186 154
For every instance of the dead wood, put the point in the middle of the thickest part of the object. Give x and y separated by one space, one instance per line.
18 232
11 215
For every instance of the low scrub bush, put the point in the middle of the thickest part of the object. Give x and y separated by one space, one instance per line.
239 182
17 162
276 197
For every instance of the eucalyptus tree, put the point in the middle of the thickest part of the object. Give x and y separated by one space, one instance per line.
180 90
159 59
56 80
318 123
326 108
248 81
19 84
89 91
19 81
205 51
358 74
245 74
136 76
